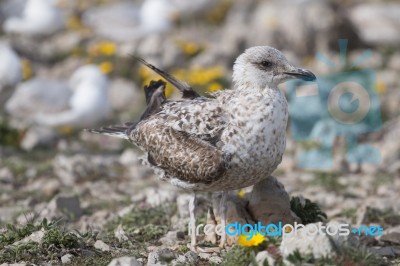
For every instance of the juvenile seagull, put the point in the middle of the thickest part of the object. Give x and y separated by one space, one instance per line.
223 143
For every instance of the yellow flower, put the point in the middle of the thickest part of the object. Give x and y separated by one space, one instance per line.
380 87
74 23
191 48
241 193
103 48
26 69
214 86
144 72
255 240
106 67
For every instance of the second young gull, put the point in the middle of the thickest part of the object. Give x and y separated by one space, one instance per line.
227 142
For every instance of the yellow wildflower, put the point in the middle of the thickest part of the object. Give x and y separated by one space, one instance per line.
66 130
380 87
241 193
214 86
74 23
106 67
144 72
26 69
191 48
103 48
255 240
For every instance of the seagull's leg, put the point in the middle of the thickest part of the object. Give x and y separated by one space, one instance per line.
223 209
192 211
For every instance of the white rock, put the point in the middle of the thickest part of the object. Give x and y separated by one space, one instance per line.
125 261
100 245
67 258
319 245
34 237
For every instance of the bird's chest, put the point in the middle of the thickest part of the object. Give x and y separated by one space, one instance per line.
255 136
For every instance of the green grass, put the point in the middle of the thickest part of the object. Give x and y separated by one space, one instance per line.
307 211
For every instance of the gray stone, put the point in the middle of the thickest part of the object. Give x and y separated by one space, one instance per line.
125 261
270 203
67 205
160 257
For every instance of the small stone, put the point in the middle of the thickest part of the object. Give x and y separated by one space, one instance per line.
100 245
125 261
160 257
66 258
215 260
34 237
189 258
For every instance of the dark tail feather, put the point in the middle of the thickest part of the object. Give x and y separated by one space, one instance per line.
155 97
183 87
113 131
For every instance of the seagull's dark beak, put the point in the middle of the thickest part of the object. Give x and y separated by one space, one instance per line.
303 74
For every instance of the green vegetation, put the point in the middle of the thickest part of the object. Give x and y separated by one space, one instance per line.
307 211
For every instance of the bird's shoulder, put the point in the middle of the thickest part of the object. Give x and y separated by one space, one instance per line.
201 116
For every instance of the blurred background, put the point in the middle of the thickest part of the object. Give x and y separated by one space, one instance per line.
66 65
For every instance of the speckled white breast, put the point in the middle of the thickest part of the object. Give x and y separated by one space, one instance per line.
255 136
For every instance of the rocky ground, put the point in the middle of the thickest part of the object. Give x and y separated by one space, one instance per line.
80 199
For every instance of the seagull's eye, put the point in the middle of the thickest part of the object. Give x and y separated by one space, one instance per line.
266 64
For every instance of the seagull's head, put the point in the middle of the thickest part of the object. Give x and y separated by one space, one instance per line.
264 66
